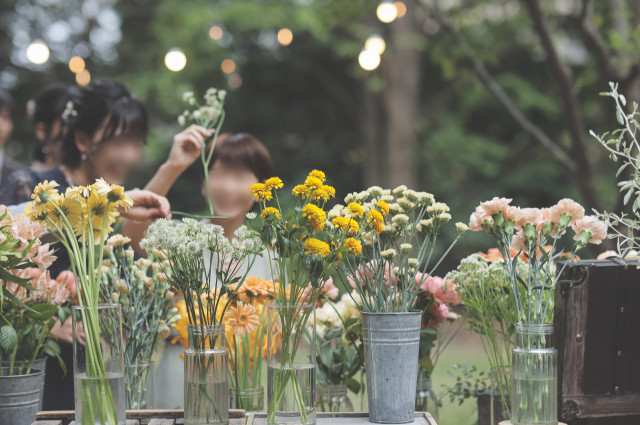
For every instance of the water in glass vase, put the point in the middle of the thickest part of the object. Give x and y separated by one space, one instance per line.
530 409
292 386
206 388
88 394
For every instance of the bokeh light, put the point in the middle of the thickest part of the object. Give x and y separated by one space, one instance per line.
216 32
234 81
228 66
76 64
368 60
387 11
375 43
401 8
38 52
285 36
83 78
175 60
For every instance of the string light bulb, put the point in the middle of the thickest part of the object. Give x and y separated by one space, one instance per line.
175 60
38 52
387 11
375 43
368 60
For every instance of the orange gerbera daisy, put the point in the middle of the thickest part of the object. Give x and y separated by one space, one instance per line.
242 319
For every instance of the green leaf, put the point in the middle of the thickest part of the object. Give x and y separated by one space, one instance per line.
353 385
8 338
42 311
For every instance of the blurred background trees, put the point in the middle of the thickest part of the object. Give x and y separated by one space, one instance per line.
470 99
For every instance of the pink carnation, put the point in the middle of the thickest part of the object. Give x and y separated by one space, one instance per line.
566 206
528 215
487 209
592 225
495 205
518 241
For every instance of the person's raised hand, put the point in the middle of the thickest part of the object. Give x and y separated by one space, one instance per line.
187 146
146 206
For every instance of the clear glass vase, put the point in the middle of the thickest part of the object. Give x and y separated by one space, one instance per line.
140 386
534 377
251 400
426 400
500 407
291 368
98 365
206 376
333 398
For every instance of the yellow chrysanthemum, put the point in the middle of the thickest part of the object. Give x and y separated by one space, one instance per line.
273 183
323 193
316 247
346 224
78 192
318 175
353 246
270 212
301 191
313 182
315 216
376 220
261 193
96 212
383 207
45 191
117 196
66 207
355 209
32 211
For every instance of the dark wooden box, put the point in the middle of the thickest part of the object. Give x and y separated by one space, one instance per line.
597 328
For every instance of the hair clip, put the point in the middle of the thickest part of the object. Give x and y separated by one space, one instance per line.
69 112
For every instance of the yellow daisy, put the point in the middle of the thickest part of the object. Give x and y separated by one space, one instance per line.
45 191
270 212
273 183
376 220
355 209
345 224
318 175
353 246
301 191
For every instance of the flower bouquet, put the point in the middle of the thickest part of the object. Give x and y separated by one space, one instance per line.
528 231
389 278
141 287
305 252
80 220
205 266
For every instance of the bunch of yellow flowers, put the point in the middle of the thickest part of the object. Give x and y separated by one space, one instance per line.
87 211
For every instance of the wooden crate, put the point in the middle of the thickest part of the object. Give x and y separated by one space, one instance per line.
343 419
597 329
134 417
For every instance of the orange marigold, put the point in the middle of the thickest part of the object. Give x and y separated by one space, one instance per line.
315 216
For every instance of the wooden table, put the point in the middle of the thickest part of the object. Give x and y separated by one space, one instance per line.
342 419
134 417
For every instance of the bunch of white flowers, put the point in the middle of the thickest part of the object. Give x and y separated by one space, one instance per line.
206 115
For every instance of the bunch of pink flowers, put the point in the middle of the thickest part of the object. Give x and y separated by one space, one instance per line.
535 234
56 291
20 242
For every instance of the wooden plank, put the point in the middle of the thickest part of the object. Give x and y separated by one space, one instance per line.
324 418
162 422
53 422
129 422
606 406
133 414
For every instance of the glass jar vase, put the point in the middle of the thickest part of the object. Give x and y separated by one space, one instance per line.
333 398
534 376
291 370
251 400
206 376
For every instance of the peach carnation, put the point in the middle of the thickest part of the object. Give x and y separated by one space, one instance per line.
566 206
591 224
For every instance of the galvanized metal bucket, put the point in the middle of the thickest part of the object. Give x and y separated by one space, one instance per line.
41 364
391 344
20 397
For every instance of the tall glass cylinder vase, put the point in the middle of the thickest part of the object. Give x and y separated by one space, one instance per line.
98 365
291 370
426 400
534 377
206 376
140 386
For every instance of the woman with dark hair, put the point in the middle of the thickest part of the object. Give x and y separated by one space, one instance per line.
7 113
45 111
104 133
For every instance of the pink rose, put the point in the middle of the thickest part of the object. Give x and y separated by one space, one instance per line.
439 313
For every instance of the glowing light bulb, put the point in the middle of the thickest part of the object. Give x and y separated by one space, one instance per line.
228 66
285 36
83 78
375 43
76 64
216 32
37 52
368 60
387 11
402 8
175 60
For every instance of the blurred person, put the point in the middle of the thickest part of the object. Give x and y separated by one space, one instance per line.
239 161
7 110
105 130
45 111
